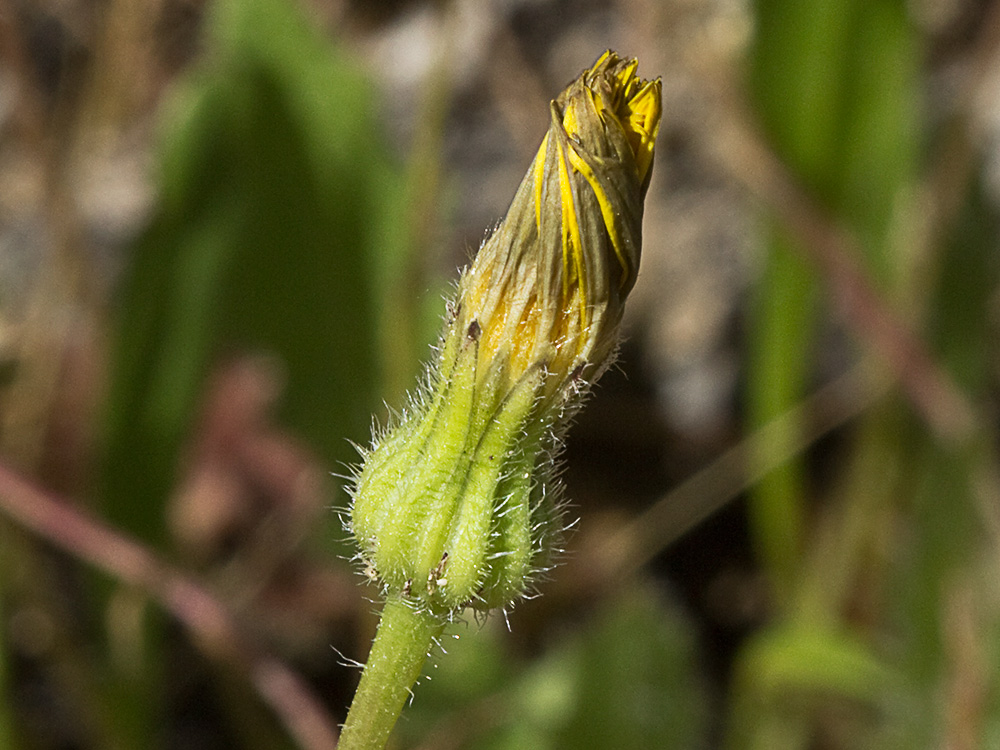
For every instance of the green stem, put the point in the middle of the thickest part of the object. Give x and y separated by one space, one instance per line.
404 639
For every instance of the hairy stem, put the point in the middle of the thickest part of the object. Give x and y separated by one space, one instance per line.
404 639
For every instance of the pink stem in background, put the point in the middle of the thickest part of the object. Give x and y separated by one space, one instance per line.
212 625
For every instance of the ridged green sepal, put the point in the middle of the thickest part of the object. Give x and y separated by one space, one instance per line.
448 484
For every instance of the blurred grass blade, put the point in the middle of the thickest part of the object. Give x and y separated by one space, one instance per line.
275 195
834 83
950 553
780 340
835 87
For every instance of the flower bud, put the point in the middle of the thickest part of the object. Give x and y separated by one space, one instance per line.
457 505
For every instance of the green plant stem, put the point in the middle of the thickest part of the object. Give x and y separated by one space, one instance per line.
404 639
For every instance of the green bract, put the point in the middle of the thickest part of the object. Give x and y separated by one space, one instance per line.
442 509
456 505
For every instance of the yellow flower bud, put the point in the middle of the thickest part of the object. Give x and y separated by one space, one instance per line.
456 505
548 287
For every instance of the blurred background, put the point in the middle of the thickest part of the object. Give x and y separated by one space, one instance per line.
227 231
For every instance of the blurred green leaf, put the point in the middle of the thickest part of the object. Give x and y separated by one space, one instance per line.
628 679
796 659
835 88
784 671
946 536
634 680
276 201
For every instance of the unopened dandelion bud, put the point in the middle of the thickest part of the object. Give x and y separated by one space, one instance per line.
457 505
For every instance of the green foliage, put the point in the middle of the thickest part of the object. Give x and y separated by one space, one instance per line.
629 678
836 87
275 203
275 207
943 563
629 681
